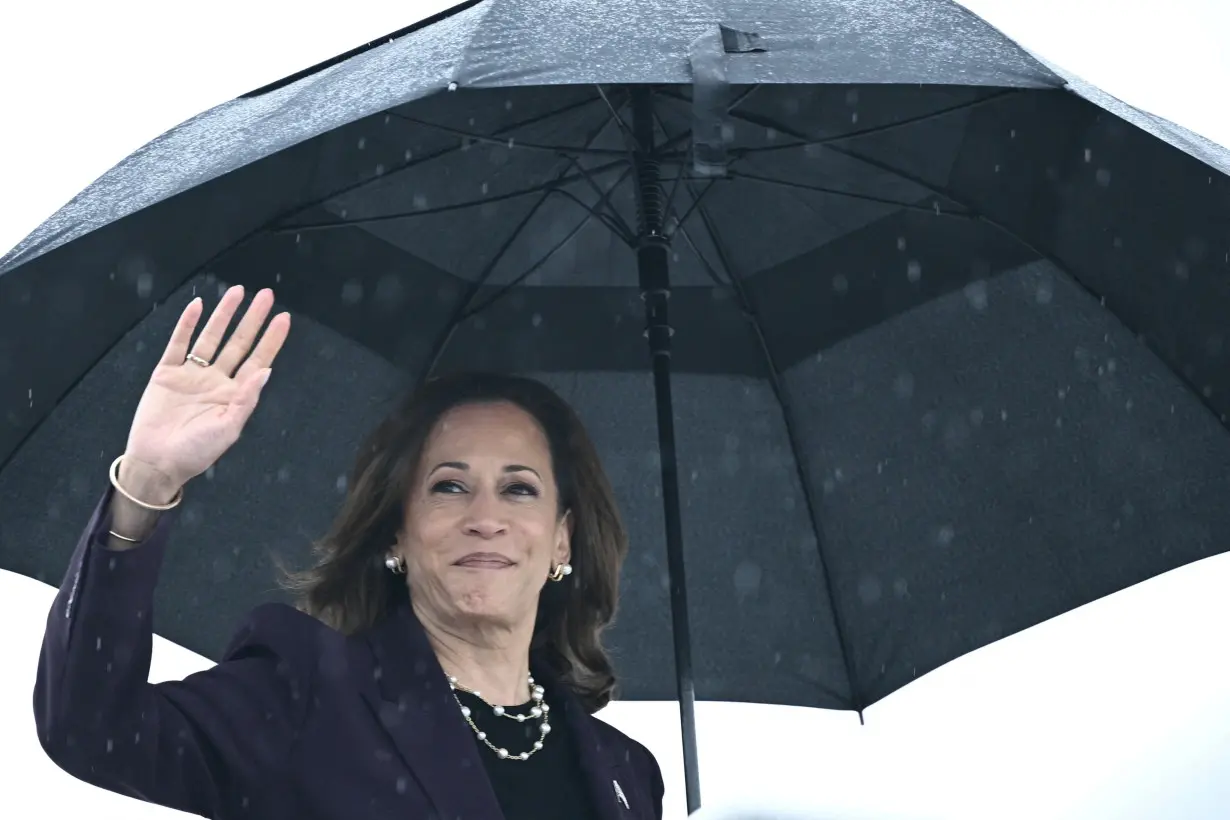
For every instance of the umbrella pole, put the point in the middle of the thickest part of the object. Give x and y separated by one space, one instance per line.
653 267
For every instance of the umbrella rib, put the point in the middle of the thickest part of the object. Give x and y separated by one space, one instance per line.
792 438
803 141
414 163
511 142
1051 258
545 187
545 257
913 206
616 223
623 126
460 313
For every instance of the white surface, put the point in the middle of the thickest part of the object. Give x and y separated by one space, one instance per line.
1119 710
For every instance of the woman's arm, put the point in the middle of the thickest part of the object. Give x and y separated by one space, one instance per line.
215 744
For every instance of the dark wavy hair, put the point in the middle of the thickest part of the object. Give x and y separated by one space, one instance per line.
350 589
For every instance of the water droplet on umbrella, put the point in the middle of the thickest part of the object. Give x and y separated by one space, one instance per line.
840 283
352 292
913 270
1103 177
420 201
976 295
1045 292
747 579
903 385
1088 154
901 243
869 590
145 284
536 319
362 143
945 535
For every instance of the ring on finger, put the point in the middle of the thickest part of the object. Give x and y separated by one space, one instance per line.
197 360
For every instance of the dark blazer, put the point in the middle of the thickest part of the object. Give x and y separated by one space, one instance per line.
297 721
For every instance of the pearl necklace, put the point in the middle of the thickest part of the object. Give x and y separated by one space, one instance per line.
539 710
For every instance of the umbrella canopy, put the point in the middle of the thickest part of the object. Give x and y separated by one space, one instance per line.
946 342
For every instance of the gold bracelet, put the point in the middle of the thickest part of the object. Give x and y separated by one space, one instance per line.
115 482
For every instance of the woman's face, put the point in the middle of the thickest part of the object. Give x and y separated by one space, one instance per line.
482 528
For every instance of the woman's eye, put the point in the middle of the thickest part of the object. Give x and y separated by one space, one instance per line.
447 487
522 489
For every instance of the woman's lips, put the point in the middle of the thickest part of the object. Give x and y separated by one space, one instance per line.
484 560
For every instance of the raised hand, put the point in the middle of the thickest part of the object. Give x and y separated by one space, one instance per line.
199 398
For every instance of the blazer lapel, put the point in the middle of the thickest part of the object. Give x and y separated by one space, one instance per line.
411 697
613 787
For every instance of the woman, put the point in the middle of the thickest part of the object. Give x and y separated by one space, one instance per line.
445 660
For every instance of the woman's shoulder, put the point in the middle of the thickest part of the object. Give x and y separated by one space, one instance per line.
634 748
291 636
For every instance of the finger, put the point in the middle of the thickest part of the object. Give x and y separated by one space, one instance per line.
248 397
177 347
208 342
268 347
240 344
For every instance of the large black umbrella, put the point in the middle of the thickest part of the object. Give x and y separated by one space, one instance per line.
945 353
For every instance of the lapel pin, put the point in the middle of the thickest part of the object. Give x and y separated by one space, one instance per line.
619 794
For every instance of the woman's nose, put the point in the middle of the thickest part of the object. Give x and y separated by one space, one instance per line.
483 518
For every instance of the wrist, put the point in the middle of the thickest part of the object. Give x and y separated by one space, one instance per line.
146 482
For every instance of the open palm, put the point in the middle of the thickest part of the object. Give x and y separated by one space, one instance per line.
199 398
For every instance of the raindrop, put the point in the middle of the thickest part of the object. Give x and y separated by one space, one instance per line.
854 118
1103 177
380 169
1088 154
110 745
352 292
145 284
903 386
283 474
747 579
536 319
408 154
976 416
340 484
362 143
420 201
945 535
901 243
508 105
1045 292
913 270
484 188
852 97
401 781
770 134
841 284
869 590
1012 134
1180 271
976 294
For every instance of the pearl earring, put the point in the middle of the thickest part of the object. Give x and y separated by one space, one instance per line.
396 564
560 571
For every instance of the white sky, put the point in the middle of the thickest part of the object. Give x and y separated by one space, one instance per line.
1118 710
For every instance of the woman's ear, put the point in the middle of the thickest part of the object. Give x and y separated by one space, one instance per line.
563 539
